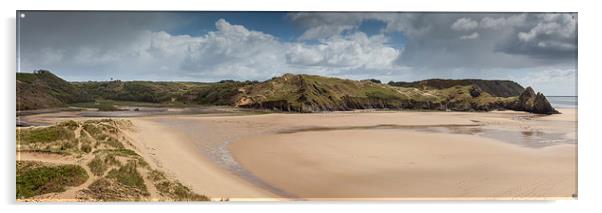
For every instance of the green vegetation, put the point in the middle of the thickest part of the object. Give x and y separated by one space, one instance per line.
128 176
497 88
37 178
43 89
310 93
115 169
122 184
289 93
100 164
173 189
58 139
44 134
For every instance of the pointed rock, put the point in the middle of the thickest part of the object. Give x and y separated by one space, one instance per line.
529 101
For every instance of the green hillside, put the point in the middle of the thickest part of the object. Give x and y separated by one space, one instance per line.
310 93
500 88
289 93
42 89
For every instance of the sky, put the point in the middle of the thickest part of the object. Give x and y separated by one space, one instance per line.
533 49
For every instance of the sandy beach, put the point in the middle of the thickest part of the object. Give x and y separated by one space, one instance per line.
362 155
392 164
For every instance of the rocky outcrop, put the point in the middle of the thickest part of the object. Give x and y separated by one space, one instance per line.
530 101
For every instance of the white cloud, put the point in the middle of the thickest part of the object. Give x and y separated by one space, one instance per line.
474 35
346 52
503 22
464 24
331 44
233 49
232 52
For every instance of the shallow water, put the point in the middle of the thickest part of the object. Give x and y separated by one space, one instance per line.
217 150
528 138
563 101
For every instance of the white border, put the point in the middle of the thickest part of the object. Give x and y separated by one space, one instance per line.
589 103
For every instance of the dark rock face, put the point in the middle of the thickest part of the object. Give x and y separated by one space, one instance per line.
529 101
475 91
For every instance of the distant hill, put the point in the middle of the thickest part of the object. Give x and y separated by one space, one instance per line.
289 92
219 93
498 88
311 93
42 89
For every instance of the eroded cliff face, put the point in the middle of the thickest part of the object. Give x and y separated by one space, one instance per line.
530 101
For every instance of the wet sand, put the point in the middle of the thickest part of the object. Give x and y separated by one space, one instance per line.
392 164
364 155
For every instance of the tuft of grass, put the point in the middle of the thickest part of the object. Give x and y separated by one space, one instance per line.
92 129
173 189
105 189
44 134
128 176
86 148
71 124
111 141
35 178
99 164
123 184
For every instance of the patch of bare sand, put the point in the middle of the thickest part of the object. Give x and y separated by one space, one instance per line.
392 164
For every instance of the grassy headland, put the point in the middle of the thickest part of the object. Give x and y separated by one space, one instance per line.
290 93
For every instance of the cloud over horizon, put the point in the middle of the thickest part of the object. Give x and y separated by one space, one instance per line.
387 46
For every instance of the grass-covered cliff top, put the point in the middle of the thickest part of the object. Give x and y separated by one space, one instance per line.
289 92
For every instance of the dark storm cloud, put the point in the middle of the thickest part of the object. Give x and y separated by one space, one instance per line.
82 43
466 39
549 36
525 47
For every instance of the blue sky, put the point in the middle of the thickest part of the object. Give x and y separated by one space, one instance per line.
274 23
534 49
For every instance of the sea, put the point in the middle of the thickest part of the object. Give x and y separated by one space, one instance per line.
563 101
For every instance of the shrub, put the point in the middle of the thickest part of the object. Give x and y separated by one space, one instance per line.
44 134
128 175
36 179
173 189
86 148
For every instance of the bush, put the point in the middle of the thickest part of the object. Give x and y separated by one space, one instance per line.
128 175
173 189
37 179
72 125
86 148
99 165
44 134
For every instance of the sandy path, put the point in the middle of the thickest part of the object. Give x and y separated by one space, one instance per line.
387 164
